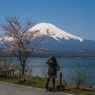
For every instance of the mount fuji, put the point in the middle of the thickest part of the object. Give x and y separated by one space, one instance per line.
59 34
66 44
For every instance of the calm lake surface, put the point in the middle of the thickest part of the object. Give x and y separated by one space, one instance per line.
66 64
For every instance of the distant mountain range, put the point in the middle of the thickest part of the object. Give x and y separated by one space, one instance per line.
65 44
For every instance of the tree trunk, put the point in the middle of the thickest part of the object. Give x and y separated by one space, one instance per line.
23 69
79 82
23 65
77 86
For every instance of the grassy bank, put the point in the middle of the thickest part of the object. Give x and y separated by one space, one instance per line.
40 83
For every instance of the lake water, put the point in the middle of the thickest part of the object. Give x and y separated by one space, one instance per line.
66 64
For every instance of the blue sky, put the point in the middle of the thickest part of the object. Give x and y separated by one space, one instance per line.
73 16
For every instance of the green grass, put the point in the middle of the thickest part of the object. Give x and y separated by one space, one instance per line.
40 83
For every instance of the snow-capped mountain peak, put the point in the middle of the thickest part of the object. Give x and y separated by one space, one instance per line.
59 34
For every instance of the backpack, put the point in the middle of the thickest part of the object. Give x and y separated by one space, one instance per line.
57 67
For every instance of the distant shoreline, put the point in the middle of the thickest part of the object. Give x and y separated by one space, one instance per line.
55 56
58 55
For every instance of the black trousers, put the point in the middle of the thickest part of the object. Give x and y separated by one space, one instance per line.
53 80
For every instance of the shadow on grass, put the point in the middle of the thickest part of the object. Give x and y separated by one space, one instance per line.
86 90
66 90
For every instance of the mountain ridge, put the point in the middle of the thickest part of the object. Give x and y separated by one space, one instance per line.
59 34
66 43
63 43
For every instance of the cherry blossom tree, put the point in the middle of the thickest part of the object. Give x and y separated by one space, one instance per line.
20 40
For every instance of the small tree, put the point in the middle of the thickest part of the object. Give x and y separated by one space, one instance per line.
7 63
30 71
79 75
20 40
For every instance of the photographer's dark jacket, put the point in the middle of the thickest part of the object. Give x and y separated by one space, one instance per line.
52 68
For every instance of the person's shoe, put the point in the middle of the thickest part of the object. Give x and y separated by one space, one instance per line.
46 89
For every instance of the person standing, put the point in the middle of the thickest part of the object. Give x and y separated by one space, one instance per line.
51 71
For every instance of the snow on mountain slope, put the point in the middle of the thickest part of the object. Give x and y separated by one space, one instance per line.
59 34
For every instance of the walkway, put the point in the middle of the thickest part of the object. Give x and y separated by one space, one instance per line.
14 89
